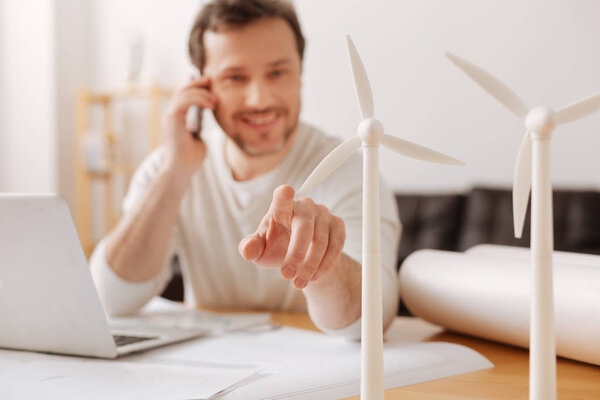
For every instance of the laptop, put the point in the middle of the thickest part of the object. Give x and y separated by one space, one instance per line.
48 301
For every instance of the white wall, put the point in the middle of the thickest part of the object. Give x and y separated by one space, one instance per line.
44 47
72 66
547 50
28 119
2 105
164 26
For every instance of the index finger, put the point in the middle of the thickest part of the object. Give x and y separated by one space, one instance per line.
198 82
199 85
282 206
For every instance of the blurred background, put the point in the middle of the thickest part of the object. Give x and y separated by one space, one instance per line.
82 84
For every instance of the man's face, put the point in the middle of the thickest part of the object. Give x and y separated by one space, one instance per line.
255 72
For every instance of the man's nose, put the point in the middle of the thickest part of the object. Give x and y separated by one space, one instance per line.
258 94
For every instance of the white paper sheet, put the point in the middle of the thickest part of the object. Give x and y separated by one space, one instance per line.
285 363
485 292
308 365
38 376
163 313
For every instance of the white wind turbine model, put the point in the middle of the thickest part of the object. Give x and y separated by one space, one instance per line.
370 135
535 152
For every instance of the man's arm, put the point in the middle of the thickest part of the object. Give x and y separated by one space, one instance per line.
137 247
334 300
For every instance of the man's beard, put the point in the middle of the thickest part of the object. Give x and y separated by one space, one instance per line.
247 149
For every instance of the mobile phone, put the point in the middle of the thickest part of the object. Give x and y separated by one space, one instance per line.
193 121
193 117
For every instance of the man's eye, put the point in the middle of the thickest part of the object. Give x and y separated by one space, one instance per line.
277 73
235 78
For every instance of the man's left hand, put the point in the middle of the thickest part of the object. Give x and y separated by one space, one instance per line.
300 237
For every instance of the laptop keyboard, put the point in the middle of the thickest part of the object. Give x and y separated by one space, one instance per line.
122 340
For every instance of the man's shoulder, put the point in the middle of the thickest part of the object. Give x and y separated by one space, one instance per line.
316 145
325 141
318 136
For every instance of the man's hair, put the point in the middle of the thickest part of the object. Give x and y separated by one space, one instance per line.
217 14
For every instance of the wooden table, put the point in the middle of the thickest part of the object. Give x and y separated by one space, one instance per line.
508 380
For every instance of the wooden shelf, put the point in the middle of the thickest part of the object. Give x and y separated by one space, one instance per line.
88 100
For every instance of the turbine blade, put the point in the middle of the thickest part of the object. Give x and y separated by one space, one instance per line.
522 184
578 109
413 150
329 164
492 85
361 81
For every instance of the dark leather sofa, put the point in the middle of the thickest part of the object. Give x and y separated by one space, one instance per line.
458 221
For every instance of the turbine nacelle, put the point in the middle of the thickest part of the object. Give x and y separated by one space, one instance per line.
540 120
370 131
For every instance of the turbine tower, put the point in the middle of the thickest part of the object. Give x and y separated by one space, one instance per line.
532 172
370 136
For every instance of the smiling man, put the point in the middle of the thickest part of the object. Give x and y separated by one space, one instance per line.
220 203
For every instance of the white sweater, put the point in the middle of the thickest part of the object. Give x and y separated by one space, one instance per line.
216 212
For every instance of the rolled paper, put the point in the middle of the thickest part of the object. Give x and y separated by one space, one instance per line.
486 292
